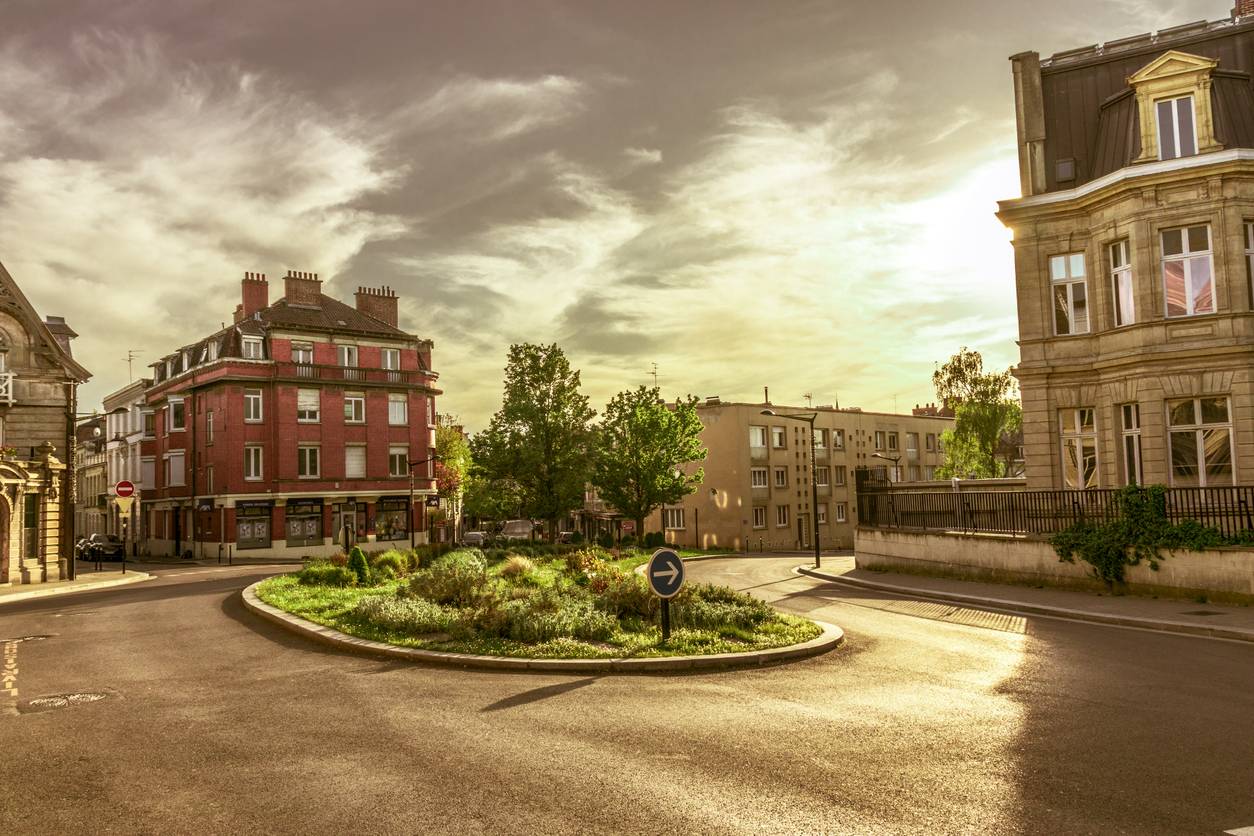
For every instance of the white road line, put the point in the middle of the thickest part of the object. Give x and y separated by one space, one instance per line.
1241 831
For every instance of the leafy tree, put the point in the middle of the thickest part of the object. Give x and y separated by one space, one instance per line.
641 445
539 439
486 499
358 566
988 417
453 467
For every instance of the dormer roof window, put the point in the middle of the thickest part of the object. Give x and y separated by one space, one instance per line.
1173 98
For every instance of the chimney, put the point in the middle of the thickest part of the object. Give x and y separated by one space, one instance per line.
1243 8
61 332
300 288
378 302
256 295
239 313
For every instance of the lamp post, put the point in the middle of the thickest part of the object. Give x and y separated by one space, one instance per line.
412 463
814 477
894 460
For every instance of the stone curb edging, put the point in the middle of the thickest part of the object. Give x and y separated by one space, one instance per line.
26 595
1175 627
832 636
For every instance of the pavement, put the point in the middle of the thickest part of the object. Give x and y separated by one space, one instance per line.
1171 615
86 579
166 706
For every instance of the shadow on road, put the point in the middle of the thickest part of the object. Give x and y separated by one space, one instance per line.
537 694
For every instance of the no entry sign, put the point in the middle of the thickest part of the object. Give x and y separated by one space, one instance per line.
124 489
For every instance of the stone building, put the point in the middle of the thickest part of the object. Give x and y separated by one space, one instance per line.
758 494
91 485
1133 241
38 384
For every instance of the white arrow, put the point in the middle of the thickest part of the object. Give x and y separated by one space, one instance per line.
670 575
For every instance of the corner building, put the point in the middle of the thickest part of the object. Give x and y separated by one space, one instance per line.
291 432
1134 241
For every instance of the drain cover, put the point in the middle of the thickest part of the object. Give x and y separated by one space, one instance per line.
1202 612
63 700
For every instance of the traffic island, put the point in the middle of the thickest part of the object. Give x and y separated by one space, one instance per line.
580 612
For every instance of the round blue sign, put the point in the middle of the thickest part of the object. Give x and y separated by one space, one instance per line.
665 573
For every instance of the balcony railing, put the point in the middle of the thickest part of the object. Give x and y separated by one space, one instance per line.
6 388
757 454
355 374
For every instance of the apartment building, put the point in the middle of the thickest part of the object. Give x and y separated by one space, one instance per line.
1134 241
304 426
758 491
91 500
125 412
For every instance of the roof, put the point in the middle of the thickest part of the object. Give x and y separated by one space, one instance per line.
12 296
330 315
1090 111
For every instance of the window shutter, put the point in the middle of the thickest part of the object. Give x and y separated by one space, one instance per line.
307 400
355 462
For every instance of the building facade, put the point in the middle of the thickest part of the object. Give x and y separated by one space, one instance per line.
757 494
91 486
303 427
125 412
1134 240
38 383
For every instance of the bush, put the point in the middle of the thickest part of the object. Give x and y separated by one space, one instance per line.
495 555
541 616
358 566
606 541
339 559
624 594
458 579
576 538
654 540
707 607
627 542
325 573
517 567
411 616
389 564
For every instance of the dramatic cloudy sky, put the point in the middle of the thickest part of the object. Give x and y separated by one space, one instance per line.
792 194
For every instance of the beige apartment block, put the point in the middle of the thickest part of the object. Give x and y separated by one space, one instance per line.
1133 249
757 493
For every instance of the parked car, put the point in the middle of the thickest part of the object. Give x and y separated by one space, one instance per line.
565 536
474 538
517 530
104 547
80 548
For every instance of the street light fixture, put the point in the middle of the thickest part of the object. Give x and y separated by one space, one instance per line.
412 463
814 477
894 460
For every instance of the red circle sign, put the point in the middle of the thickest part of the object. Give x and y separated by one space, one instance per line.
124 489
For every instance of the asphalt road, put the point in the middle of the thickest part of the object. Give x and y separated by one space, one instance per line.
926 721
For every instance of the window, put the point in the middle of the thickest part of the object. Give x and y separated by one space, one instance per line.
781 477
252 405
914 473
778 438
1078 434
1176 137
354 407
840 475
841 515
209 427
308 405
781 516
398 461
253 348
302 353
148 472
757 437
178 415
150 424
1187 280
174 471
1121 284
1200 432
892 441
673 518
1130 415
347 356
822 514
930 441
822 476
398 409
759 517
879 440
307 462
1071 310
820 439
252 463
355 461
757 477
912 443
838 439
209 479
1249 259
392 358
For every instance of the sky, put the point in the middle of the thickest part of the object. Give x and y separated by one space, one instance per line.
798 195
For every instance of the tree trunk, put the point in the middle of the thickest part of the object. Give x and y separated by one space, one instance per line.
640 532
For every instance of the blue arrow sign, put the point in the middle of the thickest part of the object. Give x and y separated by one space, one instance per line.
665 573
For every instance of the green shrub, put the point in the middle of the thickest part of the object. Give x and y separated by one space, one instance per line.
358 566
411 616
389 564
541 616
606 541
338 559
706 607
627 542
517 567
325 573
495 555
624 594
457 579
576 538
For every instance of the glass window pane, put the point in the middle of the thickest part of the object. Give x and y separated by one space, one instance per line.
1182 413
1117 257
1071 463
1057 267
1090 462
1173 287
1062 310
1080 308
1184 459
1077 265
1086 420
1184 118
1123 298
1166 132
1218 452
1214 410
1129 459
1173 241
1199 239
1066 420
1203 287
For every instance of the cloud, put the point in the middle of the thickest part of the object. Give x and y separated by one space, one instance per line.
493 109
643 156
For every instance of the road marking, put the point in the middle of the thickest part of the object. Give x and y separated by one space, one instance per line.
1241 831
8 675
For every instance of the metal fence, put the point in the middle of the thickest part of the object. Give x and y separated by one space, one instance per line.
1025 513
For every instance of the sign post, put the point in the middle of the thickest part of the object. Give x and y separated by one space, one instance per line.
124 497
666 577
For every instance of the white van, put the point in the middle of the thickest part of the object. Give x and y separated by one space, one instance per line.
517 529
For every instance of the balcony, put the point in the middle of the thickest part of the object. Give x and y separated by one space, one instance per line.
339 374
6 388
757 454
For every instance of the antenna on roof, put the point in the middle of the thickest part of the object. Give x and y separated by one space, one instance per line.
654 373
131 354
809 396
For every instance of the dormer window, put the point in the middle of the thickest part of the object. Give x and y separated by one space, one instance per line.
1176 134
252 348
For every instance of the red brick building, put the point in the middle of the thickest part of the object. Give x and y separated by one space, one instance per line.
291 429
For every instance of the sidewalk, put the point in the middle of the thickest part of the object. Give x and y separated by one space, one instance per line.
85 581
1169 615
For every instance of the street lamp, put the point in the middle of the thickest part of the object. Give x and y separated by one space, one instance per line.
894 460
412 463
814 477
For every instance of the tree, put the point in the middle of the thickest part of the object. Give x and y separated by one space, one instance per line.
454 464
987 417
485 499
641 445
539 439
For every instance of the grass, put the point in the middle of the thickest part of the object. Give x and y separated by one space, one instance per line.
549 584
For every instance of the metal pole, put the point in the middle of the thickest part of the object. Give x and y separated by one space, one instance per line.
411 508
666 620
814 485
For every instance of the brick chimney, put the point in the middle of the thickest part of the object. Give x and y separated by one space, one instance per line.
301 288
239 313
379 302
1243 8
61 332
256 295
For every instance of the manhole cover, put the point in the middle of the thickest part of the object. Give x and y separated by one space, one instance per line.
63 700
1202 612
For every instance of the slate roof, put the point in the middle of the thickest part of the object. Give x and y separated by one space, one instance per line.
330 315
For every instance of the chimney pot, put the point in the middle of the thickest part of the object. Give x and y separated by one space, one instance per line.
373 301
301 287
255 294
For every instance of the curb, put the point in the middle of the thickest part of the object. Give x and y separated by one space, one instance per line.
831 637
1173 627
131 577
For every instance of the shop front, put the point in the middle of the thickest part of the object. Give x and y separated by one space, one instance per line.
391 520
252 524
304 522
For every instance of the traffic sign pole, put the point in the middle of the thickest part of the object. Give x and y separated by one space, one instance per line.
666 620
665 574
